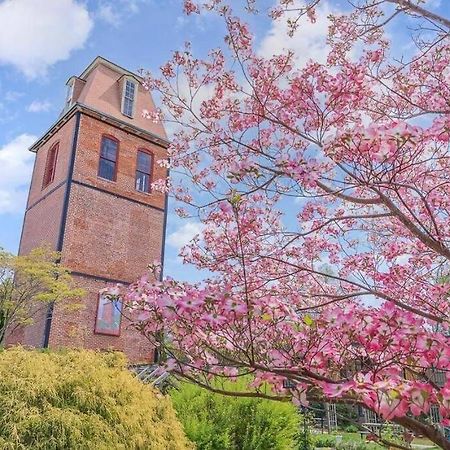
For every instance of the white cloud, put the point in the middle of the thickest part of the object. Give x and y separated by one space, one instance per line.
184 234
16 166
35 34
39 106
308 42
133 6
12 96
108 14
114 12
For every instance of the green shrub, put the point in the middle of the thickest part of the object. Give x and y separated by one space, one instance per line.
330 441
218 422
81 400
352 446
304 438
324 441
351 429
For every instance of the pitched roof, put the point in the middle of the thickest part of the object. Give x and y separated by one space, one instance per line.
103 61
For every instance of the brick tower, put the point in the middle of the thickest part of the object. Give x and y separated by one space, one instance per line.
91 199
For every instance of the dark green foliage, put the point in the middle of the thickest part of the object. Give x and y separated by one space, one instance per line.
347 415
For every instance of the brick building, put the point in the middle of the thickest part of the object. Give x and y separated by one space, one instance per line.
91 199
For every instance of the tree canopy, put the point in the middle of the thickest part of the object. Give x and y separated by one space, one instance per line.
323 192
28 283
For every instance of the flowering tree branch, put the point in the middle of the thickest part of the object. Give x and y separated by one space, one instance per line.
323 190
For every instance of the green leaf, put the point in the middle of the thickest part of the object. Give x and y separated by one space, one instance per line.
308 320
235 199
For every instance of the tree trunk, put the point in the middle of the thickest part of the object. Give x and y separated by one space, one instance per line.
429 431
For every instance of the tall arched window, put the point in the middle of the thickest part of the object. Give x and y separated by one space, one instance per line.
144 166
129 97
50 165
107 167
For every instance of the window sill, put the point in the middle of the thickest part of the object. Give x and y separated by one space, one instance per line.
106 179
46 186
102 333
143 192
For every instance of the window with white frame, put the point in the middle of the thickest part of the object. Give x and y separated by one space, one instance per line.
69 94
144 171
129 96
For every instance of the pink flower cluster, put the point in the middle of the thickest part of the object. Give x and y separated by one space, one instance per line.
324 194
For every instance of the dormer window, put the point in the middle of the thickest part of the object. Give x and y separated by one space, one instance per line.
69 94
129 96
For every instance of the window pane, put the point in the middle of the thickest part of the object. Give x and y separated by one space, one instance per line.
50 166
109 149
69 92
142 182
129 89
144 162
128 98
52 162
108 316
107 169
127 106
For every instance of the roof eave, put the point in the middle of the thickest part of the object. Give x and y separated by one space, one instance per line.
156 139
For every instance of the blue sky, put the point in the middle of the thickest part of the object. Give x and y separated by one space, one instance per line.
47 41
44 42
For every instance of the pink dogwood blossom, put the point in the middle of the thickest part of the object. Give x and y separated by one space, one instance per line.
324 196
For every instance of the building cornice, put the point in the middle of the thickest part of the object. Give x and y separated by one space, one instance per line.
84 109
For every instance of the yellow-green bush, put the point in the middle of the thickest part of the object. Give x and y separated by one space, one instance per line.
81 400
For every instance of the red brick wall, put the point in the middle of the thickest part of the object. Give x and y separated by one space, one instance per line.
76 328
110 236
41 227
107 235
31 335
88 154
43 220
65 138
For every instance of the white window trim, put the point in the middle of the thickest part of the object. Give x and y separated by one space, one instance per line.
124 85
69 98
